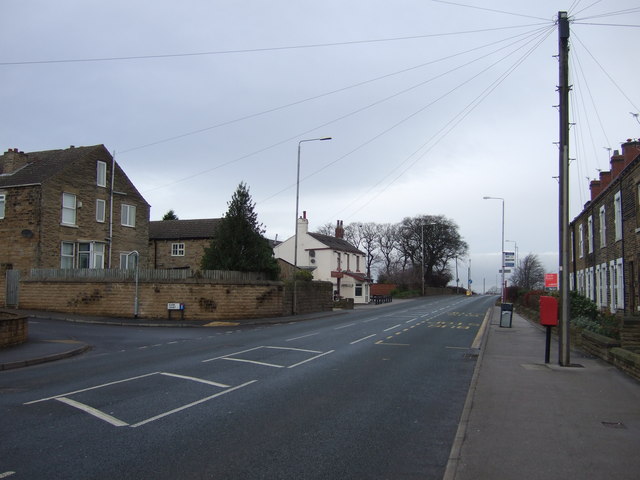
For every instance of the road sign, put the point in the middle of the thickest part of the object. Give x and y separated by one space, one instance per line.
551 280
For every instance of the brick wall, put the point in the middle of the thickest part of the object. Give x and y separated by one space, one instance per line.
203 300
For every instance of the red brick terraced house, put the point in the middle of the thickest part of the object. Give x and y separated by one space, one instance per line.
71 208
605 237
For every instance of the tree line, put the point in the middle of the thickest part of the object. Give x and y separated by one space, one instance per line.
395 252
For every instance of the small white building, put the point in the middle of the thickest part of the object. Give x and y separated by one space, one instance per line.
329 258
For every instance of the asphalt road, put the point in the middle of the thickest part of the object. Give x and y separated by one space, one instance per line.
373 394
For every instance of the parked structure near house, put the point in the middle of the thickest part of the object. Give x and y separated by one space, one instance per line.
180 243
329 258
604 237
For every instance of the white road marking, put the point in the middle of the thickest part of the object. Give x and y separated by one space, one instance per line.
189 405
412 320
345 326
298 338
91 388
391 328
294 349
7 474
195 379
360 340
244 360
93 411
312 358
370 319
236 353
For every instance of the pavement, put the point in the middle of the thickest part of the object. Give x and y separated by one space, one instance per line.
522 419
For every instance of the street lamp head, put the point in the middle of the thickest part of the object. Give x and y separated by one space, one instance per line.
325 138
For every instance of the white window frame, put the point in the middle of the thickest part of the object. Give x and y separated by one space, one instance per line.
3 204
603 226
613 286
590 234
101 210
580 241
604 284
598 286
70 207
128 215
361 287
94 254
101 174
617 215
66 257
127 260
589 284
177 249
619 283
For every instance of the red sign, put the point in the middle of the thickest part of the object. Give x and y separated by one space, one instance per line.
551 280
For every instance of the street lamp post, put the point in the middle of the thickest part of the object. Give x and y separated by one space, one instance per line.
295 250
135 299
502 252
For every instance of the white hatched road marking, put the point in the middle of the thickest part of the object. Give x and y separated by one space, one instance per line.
298 338
392 328
312 358
93 411
199 380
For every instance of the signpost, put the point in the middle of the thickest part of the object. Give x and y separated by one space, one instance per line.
551 280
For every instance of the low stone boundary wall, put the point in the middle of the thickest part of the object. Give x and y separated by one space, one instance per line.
202 299
14 329
598 345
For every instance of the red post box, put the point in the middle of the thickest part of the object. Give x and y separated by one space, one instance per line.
549 311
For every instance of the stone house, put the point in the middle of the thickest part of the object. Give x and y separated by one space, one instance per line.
605 249
71 208
180 243
329 258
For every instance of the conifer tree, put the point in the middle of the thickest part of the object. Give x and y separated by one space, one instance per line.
238 243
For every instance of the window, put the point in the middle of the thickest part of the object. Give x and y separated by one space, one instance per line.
128 215
67 254
177 249
358 289
619 284
339 262
68 209
580 241
128 260
3 201
590 234
603 227
589 283
91 255
617 215
101 207
84 255
102 174
357 263
603 285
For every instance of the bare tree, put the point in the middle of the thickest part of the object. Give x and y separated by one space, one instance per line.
529 274
388 246
326 229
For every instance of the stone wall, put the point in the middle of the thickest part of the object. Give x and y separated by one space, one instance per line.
13 329
202 299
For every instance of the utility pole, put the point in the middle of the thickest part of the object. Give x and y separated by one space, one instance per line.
563 91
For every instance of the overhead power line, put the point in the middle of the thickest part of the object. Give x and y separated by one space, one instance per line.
255 50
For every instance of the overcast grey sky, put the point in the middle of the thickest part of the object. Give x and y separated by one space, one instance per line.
431 105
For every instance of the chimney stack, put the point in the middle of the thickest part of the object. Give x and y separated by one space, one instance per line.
12 160
339 230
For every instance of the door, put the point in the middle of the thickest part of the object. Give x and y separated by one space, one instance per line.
13 282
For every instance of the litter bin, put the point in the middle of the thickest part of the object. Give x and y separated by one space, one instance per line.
506 314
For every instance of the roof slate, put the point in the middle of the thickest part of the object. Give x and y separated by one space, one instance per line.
183 229
336 243
46 164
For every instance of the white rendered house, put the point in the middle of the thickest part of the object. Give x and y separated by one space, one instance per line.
329 258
